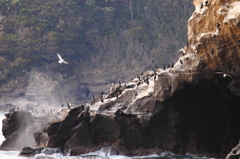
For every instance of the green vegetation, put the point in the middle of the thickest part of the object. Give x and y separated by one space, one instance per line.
107 36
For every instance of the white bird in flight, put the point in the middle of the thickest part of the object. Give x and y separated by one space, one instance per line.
61 60
224 74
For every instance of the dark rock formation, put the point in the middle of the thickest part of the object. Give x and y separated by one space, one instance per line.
19 128
28 151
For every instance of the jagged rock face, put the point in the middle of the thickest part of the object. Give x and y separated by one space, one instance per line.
18 129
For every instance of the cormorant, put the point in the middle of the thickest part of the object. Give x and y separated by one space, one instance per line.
172 65
164 67
62 105
68 104
206 3
147 81
13 110
156 66
155 74
138 84
94 100
101 96
218 25
201 5
117 95
212 51
138 77
187 44
181 61
141 73
119 83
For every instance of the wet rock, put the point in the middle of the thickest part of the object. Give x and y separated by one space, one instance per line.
19 128
28 151
41 139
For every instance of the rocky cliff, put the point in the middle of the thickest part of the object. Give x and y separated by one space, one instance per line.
20 128
190 107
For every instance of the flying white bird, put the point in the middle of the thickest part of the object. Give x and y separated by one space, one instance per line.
61 60
224 74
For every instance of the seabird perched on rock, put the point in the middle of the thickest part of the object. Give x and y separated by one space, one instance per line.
61 60
119 83
141 74
62 105
10 111
13 110
93 100
102 96
206 3
138 77
201 5
187 44
156 66
68 105
138 84
155 74
212 51
172 65
164 67
218 25
181 61
147 81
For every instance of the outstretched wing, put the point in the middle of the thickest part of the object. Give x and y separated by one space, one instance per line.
220 73
65 62
60 58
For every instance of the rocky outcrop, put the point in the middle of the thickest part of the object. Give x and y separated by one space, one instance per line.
191 107
19 128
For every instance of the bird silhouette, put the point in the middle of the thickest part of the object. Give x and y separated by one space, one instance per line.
61 60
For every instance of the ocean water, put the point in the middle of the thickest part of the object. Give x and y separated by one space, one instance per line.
101 154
